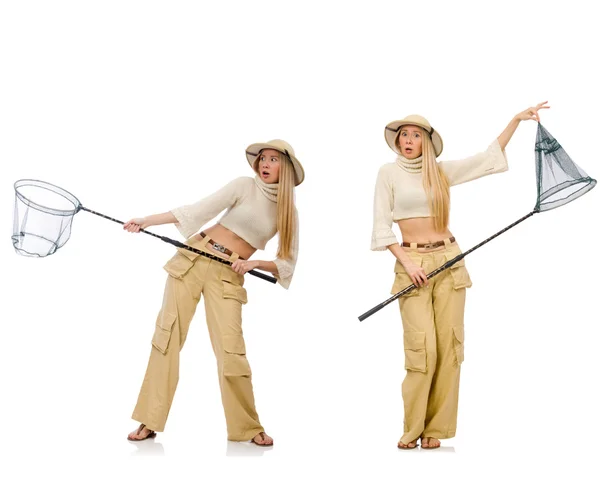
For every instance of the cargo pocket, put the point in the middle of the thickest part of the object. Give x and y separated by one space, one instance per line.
181 263
232 286
459 346
162 332
415 355
403 280
234 361
458 272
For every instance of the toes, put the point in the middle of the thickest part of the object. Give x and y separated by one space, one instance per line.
263 439
139 434
427 442
411 444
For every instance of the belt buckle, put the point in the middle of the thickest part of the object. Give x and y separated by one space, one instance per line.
219 248
429 245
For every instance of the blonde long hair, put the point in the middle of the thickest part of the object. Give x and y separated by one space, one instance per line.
435 183
286 210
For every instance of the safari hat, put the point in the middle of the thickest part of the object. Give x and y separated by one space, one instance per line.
393 129
280 145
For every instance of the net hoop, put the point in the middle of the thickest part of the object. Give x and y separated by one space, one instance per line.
579 188
45 198
22 187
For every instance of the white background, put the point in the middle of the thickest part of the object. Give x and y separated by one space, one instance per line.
137 107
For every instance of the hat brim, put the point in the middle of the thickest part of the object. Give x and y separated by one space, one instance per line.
254 150
393 128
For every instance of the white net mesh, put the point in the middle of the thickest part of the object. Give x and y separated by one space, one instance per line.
43 217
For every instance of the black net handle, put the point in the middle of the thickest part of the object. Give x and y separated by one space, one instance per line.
178 244
446 265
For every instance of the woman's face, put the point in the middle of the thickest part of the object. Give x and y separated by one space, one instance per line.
268 166
409 141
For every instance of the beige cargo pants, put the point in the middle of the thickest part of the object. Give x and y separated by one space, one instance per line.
191 276
433 321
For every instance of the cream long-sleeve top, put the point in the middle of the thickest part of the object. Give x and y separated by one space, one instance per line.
251 214
399 192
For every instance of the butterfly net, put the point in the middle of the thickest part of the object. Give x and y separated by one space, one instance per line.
559 179
43 217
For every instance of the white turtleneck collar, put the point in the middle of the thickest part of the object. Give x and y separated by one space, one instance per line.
410 165
269 190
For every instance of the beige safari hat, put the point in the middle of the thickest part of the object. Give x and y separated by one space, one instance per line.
393 129
280 145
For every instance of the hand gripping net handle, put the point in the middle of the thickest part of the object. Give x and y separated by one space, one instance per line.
445 266
178 244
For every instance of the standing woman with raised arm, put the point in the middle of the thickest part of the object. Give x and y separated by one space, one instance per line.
414 192
257 209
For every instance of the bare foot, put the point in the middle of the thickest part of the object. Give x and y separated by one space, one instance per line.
411 445
262 439
430 443
141 433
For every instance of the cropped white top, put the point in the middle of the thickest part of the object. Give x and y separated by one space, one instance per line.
251 214
399 192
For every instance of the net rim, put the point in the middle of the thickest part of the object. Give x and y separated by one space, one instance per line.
51 187
542 205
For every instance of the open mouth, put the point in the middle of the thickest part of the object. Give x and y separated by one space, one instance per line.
265 174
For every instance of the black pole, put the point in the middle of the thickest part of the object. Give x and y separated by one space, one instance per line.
178 244
446 265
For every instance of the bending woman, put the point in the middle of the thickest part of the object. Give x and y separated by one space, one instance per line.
257 209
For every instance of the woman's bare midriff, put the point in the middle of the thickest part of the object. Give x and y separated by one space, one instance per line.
421 230
223 236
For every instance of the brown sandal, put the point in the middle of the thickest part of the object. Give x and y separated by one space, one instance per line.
408 447
151 434
428 443
262 435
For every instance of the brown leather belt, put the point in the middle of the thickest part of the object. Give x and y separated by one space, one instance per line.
429 245
216 246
